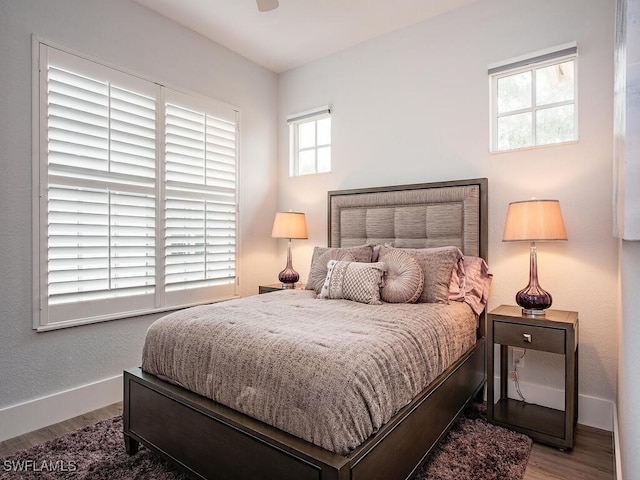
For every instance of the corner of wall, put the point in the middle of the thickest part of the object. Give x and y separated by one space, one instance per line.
617 460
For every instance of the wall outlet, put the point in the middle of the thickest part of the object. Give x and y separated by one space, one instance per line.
518 357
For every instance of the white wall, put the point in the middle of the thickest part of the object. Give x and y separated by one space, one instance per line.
125 34
627 136
628 360
627 121
413 106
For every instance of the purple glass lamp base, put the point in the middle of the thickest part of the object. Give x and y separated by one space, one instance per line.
533 299
288 277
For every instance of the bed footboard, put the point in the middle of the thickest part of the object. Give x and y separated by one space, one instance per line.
207 439
212 441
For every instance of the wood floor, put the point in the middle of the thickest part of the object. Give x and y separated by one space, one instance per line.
40 436
590 459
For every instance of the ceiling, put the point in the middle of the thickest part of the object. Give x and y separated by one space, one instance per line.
299 31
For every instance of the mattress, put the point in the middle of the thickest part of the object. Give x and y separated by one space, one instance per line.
329 371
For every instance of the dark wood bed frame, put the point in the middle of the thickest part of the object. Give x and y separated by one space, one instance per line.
209 440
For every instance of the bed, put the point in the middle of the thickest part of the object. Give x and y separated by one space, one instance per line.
212 440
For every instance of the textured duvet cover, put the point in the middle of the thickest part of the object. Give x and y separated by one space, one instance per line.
329 371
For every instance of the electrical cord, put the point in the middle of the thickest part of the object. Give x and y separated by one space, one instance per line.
515 376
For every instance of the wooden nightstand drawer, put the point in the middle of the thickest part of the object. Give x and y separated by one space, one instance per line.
528 336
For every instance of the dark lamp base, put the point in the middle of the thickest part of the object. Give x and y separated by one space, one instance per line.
533 300
288 276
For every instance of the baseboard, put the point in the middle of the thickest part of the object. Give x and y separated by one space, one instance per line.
595 412
617 465
42 412
592 411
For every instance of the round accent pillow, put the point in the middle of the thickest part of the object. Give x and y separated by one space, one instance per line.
404 281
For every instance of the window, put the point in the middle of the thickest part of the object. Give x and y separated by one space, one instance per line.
310 138
533 101
137 195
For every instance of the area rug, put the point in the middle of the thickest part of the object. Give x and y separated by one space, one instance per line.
472 450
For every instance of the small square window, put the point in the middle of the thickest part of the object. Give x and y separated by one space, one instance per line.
534 102
310 142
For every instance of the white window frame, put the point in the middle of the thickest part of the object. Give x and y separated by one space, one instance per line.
48 317
294 121
532 63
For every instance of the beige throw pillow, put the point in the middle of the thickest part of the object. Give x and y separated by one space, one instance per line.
437 265
360 282
321 256
404 281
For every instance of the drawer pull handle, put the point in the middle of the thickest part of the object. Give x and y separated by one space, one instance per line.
526 337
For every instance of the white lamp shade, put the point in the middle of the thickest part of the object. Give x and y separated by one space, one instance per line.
534 220
289 225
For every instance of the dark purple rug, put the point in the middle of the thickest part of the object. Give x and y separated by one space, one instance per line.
476 450
472 450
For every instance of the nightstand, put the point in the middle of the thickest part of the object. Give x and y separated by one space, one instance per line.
556 332
274 287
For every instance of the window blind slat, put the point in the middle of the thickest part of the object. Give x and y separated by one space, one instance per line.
68 106
64 122
61 299
75 291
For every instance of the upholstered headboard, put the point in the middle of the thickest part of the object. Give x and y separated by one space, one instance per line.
412 216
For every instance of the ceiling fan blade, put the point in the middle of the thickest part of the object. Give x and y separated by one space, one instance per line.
267 5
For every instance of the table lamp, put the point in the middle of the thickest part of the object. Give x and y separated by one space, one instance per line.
289 225
534 220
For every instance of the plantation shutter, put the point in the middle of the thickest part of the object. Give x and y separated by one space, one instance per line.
101 202
137 195
201 197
